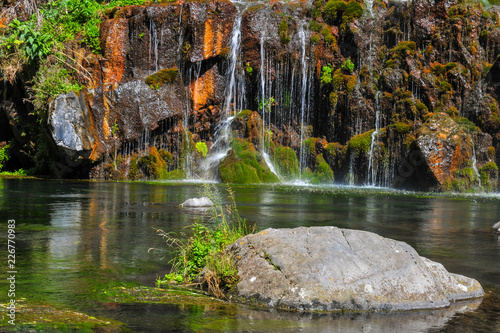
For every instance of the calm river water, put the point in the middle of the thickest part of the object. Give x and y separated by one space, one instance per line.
76 238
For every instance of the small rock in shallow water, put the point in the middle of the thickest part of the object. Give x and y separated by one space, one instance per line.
198 202
496 227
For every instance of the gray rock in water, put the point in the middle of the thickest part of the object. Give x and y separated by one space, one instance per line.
70 125
198 202
329 269
496 227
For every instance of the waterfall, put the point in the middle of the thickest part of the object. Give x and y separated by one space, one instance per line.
369 6
265 103
236 87
303 106
219 149
372 169
474 161
234 101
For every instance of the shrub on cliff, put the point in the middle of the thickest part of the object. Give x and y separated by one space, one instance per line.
339 12
334 9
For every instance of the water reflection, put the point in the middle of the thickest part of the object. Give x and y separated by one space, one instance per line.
96 233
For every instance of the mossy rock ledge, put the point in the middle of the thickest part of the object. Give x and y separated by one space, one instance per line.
333 269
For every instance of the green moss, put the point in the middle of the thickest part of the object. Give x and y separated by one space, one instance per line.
361 143
286 162
310 146
152 165
334 9
315 26
244 114
466 125
234 170
166 155
463 179
444 87
452 111
323 174
157 79
400 128
337 12
490 169
389 63
353 11
176 174
438 69
38 317
133 173
404 48
243 165
451 65
315 39
338 80
422 108
283 32
334 98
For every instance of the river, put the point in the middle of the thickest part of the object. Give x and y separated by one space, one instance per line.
75 238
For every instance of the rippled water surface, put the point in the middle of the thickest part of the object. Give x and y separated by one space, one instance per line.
76 238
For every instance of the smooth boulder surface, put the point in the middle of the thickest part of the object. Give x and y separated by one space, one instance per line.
496 227
331 269
70 125
198 202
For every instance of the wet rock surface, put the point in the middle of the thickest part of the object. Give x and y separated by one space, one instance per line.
370 81
329 269
496 227
71 125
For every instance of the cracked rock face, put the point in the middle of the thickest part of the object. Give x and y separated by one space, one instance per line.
329 269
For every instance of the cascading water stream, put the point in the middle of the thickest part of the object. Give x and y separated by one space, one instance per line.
474 161
372 169
369 6
302 157
234 101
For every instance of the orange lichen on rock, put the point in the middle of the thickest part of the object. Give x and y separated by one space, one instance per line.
115 45
444 145
203 89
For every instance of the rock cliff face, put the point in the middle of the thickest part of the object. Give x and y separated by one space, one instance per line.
390 93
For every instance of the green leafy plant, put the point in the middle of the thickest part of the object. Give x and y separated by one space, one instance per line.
201 147
267 104
51 80
326 74
123 3
4 156
248 69
201 254
114 129
348 65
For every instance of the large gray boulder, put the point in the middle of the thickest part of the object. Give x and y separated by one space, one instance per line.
71 125
329 269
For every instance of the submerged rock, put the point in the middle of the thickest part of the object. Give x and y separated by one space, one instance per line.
198 202
331 269
496 227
